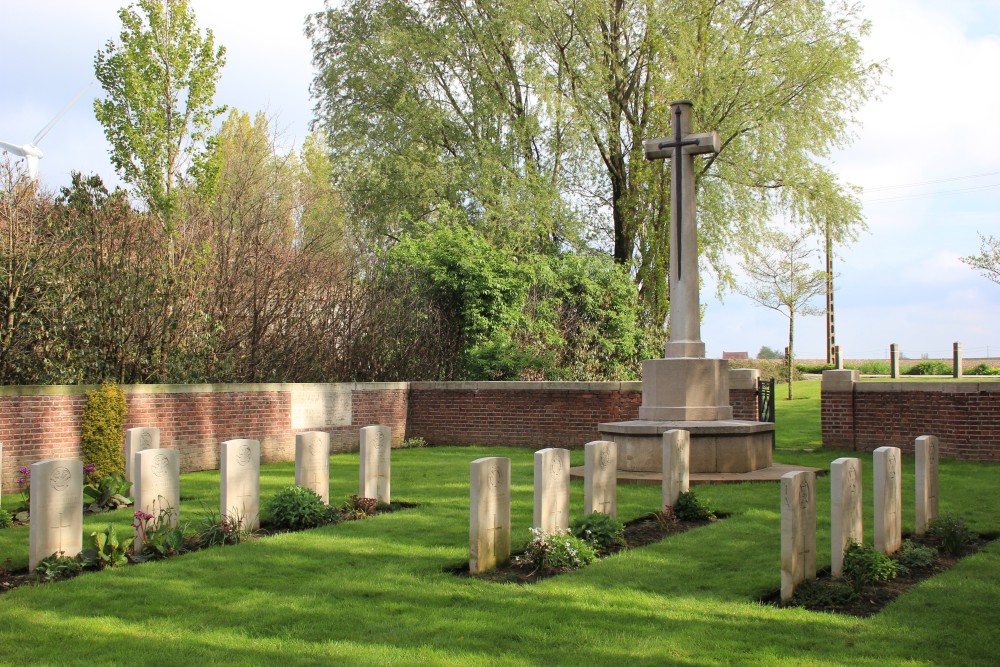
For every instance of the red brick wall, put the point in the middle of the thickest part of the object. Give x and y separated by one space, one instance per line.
744 402
964 416
528 417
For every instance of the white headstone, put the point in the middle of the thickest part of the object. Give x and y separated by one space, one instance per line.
373 476
312 462
56 509
600 480
551 490
846 512
676 465
138 440
798 530
927 451
489 516
239 473
888 499
157 485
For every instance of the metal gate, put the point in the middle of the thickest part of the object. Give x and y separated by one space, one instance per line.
765 400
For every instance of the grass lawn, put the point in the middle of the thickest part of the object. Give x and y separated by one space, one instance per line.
378 591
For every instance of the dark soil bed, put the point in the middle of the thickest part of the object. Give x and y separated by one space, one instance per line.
834 595
638 533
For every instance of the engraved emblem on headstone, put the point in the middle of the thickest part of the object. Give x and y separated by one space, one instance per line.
494 477
243 455
60 478
380 441
146 440
311 449
161 466
891 466
804 494
556 469
605 459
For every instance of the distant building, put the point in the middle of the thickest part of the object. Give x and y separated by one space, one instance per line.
735 355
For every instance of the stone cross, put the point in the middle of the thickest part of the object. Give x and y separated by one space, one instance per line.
888 499
845 510
239 473
676 465
681 147
489 513
926 448
56 508
600 480
798 530
312 462
551 511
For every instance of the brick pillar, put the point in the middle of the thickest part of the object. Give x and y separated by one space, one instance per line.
837 408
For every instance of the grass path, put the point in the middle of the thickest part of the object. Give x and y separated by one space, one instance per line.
377 591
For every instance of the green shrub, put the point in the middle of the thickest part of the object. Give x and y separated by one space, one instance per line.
951 533
219 530
603 531
106 549
814 369
109 494
929 368
865 565
556 551
295 508
691 508
414 442
102 430
776 369
870 367
160 537
6 519
913 556
983 369
59 566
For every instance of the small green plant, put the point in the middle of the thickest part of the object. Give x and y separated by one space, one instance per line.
160 537
101 430
354 508
295 508
870 367
216 529
690 507
913 556
556 551
6 518
951 533
865 565
110 493
666 520
602 531
106 549
929 368
983 369
24 486
416 441
59 566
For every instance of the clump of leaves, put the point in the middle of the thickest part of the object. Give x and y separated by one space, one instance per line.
217 529
556 551
357 507
865 565
666 520
106 549
416 441
823 594
59 566
295 508
602 531
110 493
24 486
161 536
913 556
6 518
690 507
951 533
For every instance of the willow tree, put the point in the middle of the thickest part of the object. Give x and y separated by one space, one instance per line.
530 117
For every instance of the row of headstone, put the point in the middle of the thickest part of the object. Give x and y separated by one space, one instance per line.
57 484
489 492
798 509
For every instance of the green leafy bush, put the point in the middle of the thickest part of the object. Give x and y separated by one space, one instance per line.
6 518
814 369
983 369
603 531
414 442
929 367
951 533
913 556
296 507
59 566
690 507
160 537
110 493
556 551
865 565
102 429
106 549
870 367
220 530
769 369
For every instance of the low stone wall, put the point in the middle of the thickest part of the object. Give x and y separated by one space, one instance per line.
863 416
43 422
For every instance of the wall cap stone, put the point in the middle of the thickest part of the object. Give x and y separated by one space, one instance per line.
839 380
743 378
220 388
526 386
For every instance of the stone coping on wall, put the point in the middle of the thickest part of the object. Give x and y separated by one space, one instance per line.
942 387
77 390
526 386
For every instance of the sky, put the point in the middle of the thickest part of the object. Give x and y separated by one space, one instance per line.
926 153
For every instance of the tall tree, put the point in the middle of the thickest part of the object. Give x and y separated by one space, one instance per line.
783 279
160 80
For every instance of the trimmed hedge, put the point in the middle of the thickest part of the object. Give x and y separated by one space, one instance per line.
102 430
